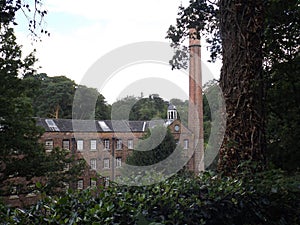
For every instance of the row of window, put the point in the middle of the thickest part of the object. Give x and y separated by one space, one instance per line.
93 183
106 144
92 145
106 163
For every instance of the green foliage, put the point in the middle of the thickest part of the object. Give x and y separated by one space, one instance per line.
182 108
156 145
88 103
22 158
284 115
280 45
134 108
34 13
19 134
55 97
268 198
61 97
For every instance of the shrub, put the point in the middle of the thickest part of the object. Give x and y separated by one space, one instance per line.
265 198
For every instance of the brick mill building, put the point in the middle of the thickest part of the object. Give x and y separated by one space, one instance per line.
106 144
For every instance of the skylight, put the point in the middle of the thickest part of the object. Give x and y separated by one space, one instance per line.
52 126
104 126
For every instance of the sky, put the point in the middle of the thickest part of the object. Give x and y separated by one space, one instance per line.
82 32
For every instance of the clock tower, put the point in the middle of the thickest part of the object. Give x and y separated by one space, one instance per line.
172 113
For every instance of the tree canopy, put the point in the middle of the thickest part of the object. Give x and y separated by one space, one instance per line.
155 146
251 38
22 158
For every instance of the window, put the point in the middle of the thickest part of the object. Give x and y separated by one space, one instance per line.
106 181
13 193
130 144
106 144
49 145
185 143
80 184
93 182
118 162
93 144
52 126
119 144
79 145
66 144
106 163
93 164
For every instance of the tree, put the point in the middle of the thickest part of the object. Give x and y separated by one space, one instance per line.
241 29
246 34
182 108
22 159
156 145
61 97
236 31
55 97
134 108
281 69
283 115
88 103
33 12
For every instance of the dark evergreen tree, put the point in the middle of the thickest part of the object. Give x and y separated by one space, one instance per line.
246 34
283 115
156 145
21 156
134 108
55 97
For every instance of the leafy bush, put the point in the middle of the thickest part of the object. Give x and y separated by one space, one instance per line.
266 198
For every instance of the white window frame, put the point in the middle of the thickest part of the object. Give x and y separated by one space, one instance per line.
80 184
186 144
106 181
119 144
130 143
79 145
106 144
93 164
66 144
118 162
93 145
14 192
93 182
49 145
106 163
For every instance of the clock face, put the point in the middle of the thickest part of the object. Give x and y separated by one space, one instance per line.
176 127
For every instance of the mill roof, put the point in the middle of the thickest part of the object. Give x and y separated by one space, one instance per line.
72 125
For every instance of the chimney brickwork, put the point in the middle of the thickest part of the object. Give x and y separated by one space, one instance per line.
195 119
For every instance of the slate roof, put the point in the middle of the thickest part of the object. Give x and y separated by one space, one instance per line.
69 125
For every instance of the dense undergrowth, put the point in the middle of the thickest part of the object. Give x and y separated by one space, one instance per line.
271 197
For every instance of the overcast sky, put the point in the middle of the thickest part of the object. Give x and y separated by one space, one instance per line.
84 31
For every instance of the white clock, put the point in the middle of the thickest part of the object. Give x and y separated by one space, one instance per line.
176 127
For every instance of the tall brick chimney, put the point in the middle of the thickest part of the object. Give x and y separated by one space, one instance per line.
195 118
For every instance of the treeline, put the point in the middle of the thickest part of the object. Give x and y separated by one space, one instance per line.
54 97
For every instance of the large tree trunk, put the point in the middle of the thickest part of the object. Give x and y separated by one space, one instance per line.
241 26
